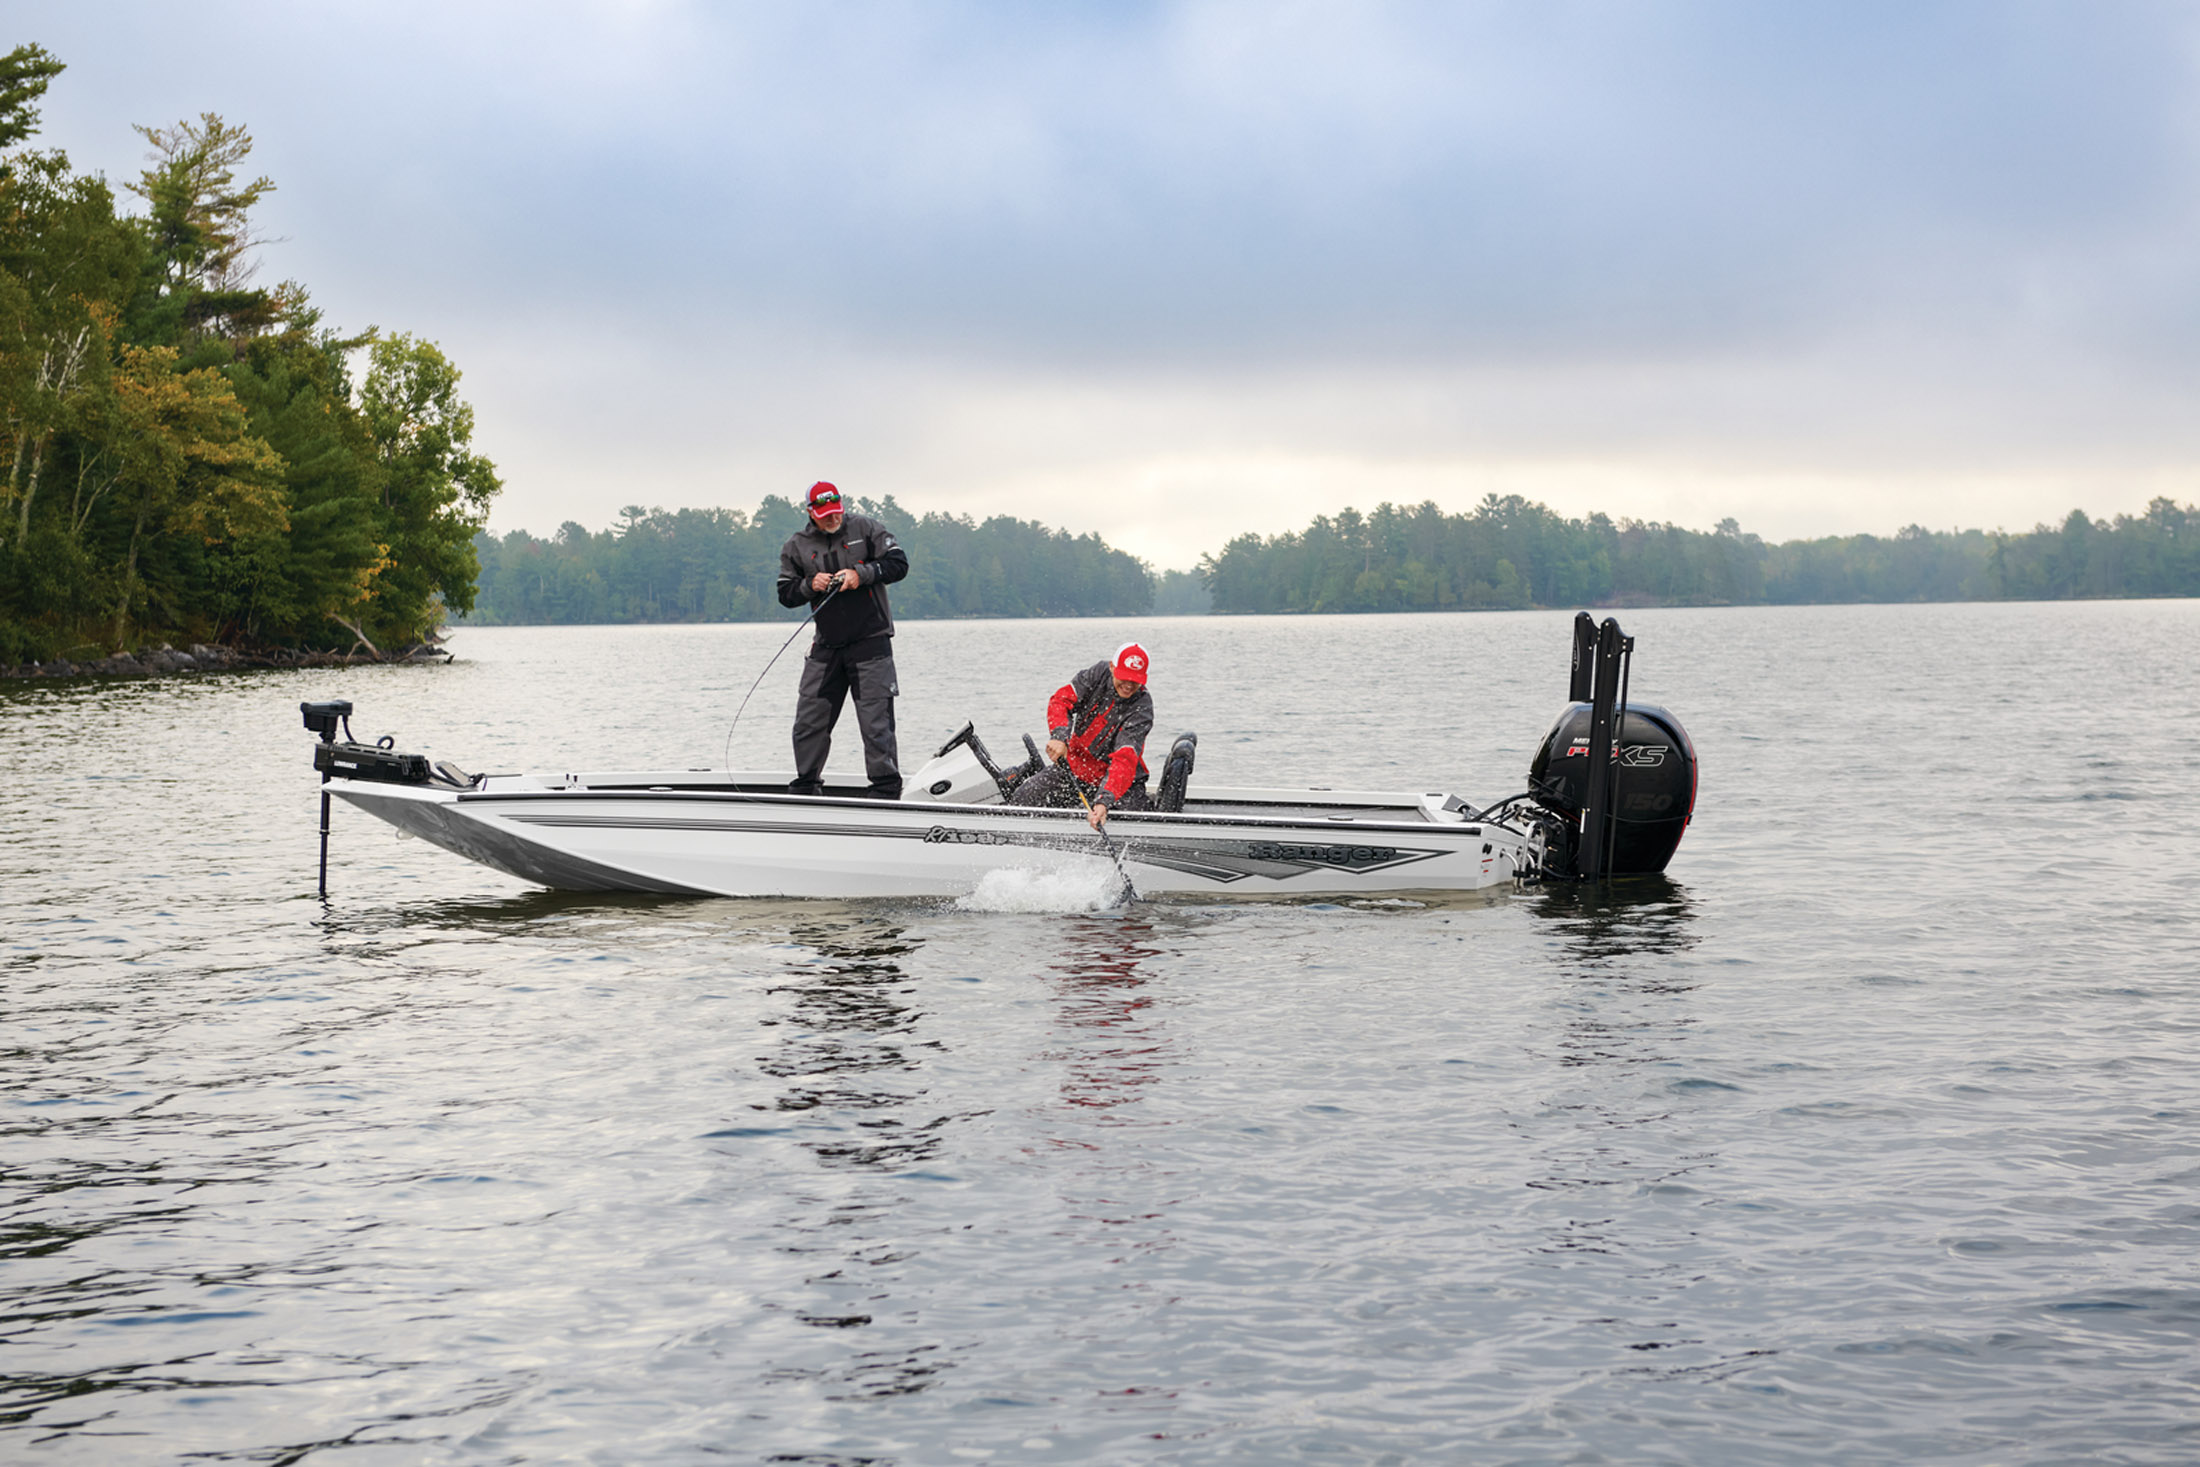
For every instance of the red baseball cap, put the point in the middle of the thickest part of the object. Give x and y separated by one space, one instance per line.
1130 663
824 500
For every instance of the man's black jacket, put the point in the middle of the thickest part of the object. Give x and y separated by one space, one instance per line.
878 559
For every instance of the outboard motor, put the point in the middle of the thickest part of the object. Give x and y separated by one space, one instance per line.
1176 773
1629 821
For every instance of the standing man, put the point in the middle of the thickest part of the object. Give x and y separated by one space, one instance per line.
842 564
1097 724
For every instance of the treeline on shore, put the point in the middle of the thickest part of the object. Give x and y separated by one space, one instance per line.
688 565
660 565
190 458
1509 552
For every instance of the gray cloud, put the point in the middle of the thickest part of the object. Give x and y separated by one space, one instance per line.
1689 245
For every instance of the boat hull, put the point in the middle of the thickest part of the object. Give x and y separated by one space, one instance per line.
697 842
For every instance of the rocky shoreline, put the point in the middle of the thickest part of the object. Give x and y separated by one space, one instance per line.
203 657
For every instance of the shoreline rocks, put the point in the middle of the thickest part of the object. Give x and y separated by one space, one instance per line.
165 661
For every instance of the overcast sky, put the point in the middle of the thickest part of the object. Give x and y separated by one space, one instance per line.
1172 272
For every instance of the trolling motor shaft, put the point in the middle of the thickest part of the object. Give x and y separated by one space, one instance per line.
322 719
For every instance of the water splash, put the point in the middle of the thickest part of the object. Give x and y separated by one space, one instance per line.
1043 889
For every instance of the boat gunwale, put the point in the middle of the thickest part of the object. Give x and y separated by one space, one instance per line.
1422 827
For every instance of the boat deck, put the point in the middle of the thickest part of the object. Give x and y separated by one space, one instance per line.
1213 803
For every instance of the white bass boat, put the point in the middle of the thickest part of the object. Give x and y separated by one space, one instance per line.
714 833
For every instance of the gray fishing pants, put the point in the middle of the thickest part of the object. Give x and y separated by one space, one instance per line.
829 675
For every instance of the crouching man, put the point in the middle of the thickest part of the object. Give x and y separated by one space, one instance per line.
1097 724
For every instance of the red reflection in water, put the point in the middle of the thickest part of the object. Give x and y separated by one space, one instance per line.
1112 1046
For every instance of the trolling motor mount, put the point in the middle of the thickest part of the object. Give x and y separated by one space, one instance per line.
322 720
350 759
376 763
347 758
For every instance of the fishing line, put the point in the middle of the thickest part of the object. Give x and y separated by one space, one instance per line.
726 761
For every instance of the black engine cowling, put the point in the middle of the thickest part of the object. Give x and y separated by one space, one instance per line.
1654 795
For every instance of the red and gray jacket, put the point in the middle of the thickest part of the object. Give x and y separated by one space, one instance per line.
1106 734
861 543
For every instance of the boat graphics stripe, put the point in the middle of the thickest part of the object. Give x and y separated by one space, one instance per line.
664 822
1215 859
1234 860
472 799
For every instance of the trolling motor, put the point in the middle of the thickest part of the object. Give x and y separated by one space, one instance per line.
1618 777
354 760
322 719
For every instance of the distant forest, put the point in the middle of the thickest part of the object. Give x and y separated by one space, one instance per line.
720 564
1512 553
723 565
189 456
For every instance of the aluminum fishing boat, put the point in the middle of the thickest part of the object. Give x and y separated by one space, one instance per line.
704 832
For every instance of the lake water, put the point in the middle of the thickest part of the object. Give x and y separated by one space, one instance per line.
1870 1135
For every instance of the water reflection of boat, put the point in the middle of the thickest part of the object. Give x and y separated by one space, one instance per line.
1612 788
1114 1048
1599 927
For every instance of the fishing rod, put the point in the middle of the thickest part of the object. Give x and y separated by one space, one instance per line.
1130 892
727 760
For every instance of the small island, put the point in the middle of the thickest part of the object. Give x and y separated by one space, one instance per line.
194 460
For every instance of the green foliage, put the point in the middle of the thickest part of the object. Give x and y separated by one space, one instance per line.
692 565
299 587
184 457
1181 593
657 565
198 226
435 490
1507 553
24 75
1511 553
1008 567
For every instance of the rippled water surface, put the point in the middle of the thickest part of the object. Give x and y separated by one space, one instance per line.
1867 1136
